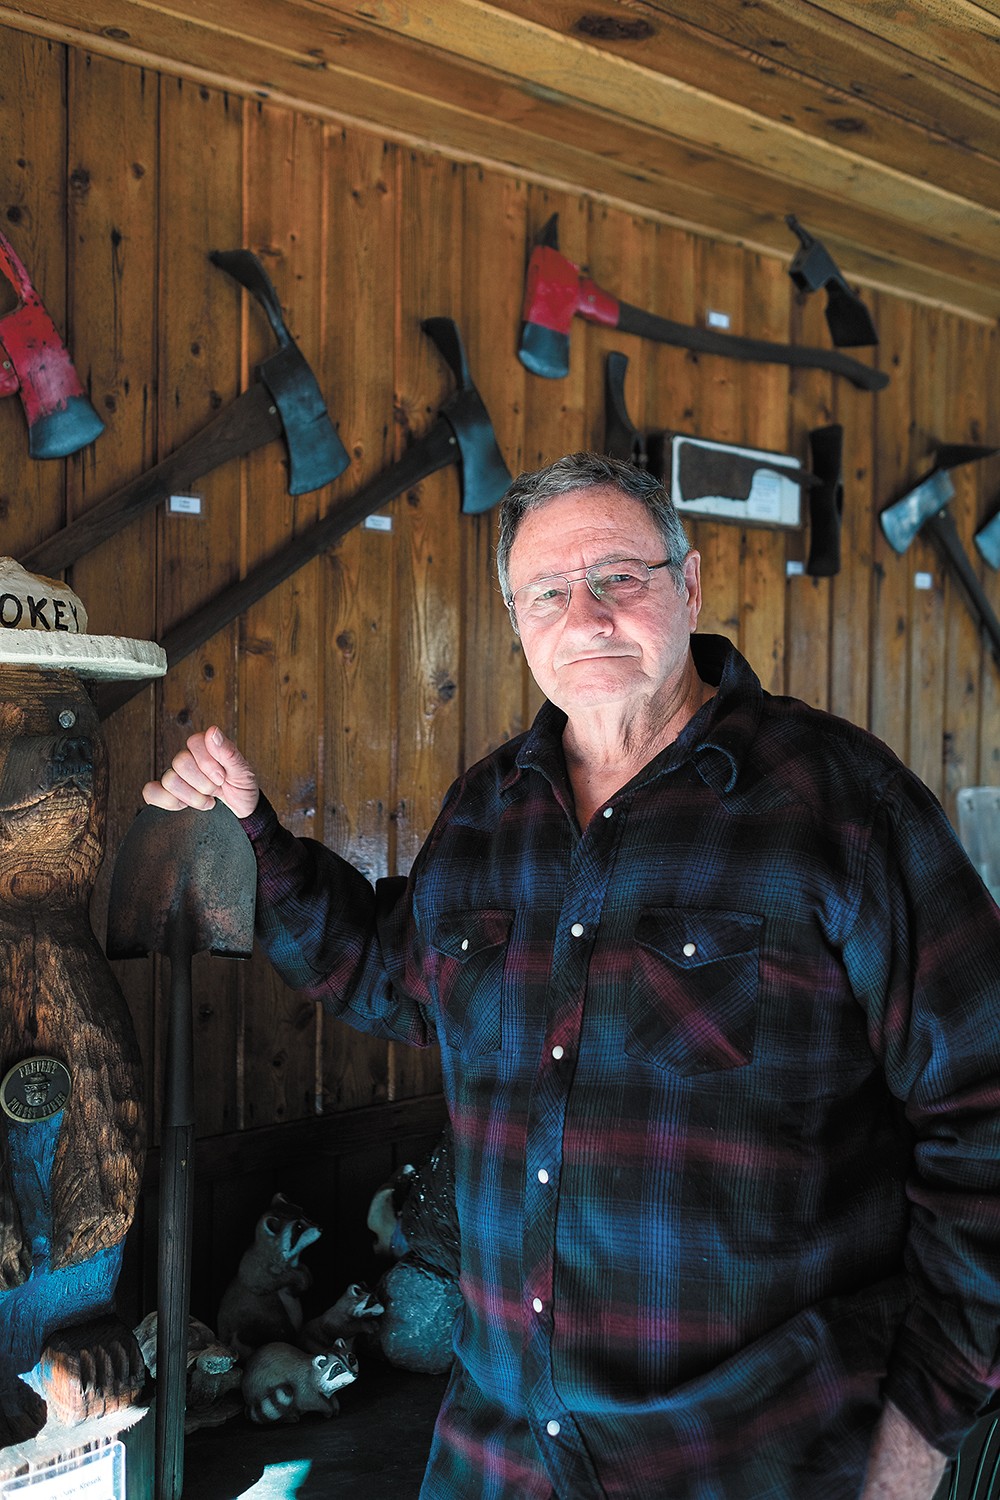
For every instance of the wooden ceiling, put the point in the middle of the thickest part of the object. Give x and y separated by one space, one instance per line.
877 122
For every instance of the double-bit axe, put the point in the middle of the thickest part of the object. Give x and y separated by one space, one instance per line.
924 508
461 434
556 291
284 400
34 363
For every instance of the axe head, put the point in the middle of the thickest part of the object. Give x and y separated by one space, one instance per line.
485 475
551 295
35 363
847 317
315 453
901 522
987 540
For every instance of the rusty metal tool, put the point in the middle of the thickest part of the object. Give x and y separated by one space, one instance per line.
284 400
183 882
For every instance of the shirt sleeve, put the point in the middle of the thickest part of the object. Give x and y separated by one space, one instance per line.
924 960
336 938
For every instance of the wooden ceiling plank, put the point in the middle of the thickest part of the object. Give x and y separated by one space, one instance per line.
729 68
955 35
816 44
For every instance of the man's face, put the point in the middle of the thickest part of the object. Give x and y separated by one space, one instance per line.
595 654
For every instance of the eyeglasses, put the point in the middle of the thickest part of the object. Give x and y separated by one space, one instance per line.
620 582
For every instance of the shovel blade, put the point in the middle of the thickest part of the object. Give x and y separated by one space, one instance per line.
183 873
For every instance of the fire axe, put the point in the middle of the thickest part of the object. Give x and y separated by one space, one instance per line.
556 291
284 400
34 363
924 508
461 434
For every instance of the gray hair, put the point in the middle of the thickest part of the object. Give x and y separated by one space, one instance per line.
589 471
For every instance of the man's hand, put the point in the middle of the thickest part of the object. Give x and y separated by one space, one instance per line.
902 1465
209 767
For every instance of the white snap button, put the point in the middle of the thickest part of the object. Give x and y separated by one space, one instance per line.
543 1176
608 811
536 1303
557 1053
553 1429
465 945
689 950
577 929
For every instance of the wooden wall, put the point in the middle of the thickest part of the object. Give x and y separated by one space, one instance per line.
361 686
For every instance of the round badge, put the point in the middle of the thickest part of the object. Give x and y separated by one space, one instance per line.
35 1089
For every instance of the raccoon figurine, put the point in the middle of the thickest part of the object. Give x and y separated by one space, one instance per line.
262 1304
281 1382
353 1315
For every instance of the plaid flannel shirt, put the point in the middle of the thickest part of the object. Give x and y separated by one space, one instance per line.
724 1075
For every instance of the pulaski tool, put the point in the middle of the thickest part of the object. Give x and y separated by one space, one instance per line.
462 434
847 317
283 401
183 882
924 508
556 291
35 364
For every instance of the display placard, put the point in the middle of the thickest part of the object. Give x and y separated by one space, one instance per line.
753 486
88 1476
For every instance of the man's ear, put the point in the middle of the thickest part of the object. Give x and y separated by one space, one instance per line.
692 581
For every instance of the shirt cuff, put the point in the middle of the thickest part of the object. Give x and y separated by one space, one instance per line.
934 1393
260 825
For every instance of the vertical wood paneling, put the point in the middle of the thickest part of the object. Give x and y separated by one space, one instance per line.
893 574
851 626
358 621
33 213
989 673
280 687
201 160
931 412
112 161
808 632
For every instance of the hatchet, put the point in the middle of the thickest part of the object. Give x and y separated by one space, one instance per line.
556 291
34 364
924 508
724 469
284 400
461 434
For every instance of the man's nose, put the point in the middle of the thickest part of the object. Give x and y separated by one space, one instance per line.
586 607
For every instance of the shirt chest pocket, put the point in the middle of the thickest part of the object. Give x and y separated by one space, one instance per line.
693 996
469 949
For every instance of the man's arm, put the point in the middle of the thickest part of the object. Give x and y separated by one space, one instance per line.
902 1465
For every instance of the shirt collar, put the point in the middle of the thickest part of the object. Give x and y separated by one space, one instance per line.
716 740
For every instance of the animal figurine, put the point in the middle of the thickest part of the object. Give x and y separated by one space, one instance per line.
352 1316
384 1211
72 1134
213 1375
420 1292
282 1382
262 1304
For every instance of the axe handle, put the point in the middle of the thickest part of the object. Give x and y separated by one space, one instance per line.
944 533
436 450
707 341
245 424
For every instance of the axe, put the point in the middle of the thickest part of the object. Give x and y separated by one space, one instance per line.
283 401
729 470
847 317
462 433
35 364
556 290
924 508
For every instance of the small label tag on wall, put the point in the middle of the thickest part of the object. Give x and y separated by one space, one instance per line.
89 1476
184 505
378 523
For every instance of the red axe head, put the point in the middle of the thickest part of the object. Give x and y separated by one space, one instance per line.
554 292
34 362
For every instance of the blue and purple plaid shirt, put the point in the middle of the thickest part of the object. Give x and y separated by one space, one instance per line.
724 1074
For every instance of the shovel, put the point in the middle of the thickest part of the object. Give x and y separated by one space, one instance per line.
183 881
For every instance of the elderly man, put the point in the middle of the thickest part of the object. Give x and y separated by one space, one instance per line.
716 994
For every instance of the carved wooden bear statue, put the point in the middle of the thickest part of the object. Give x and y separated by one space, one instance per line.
72 1124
